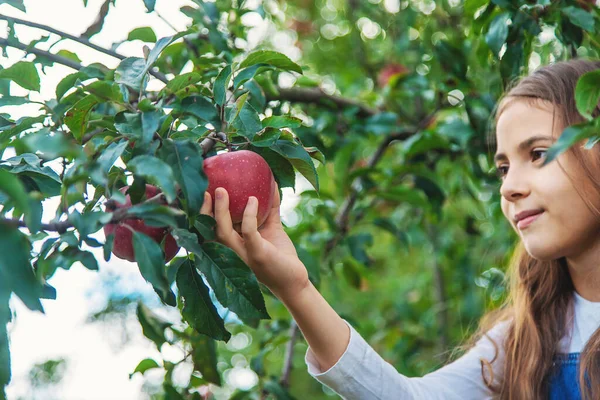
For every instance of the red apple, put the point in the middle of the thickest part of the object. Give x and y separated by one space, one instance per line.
242 173
123 241
388 71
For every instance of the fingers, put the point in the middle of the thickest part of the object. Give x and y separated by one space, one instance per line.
249 225
207 208
224 230
274 217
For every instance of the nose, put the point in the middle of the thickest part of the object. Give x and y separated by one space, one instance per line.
514 185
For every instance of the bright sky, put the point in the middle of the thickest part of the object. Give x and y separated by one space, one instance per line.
98 366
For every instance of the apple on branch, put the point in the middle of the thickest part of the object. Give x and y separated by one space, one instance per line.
243 174
123 240
388 71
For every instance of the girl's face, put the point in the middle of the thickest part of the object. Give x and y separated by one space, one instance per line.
566 226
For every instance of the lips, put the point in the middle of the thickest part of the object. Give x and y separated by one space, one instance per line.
525 222
527 213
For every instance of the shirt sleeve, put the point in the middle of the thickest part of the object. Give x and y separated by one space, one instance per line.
362 374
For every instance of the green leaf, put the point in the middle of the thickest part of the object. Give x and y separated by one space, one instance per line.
580 17
131 72
200 107
266 138
239 104
11 186
181 81
587 93
568 138
13 101
205 225
281 167
198 309
300 159
5 318
280 392
150 123
7 131
23 74
15 269
18 4
171 393
315 153
273 58
157 172
153 326
90 222
452 59
68 55
149 5
221 85
248 122
108 245
235 285
51 144
151 262
105 91
155 214
204 357
111 154
144 366
498 32
246 74
145 34
68 82
161 44
77 117
282 121
129 124
42 179
185 159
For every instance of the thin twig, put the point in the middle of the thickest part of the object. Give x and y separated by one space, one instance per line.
42 53
209 142
342 219
289 356
62 226
73 64
47 28
315 95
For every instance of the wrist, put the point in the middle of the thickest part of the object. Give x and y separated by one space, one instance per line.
289 296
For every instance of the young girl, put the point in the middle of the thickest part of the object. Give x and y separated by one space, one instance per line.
544 342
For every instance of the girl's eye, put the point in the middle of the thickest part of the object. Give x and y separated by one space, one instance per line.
538 151
502 170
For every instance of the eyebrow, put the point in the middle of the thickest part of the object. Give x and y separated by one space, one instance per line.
524 145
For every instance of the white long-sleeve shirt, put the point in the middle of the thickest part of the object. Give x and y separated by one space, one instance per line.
362 374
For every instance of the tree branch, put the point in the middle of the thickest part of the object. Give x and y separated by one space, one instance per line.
209 142
42 53
289 356
342 219
315 95
47 28
62 226
81 40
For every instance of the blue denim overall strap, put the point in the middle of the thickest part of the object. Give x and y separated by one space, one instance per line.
564 378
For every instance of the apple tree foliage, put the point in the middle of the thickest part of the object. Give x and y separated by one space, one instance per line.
401 225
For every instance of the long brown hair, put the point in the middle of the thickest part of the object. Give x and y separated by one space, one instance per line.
540 293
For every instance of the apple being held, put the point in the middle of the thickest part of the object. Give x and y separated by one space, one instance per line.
123 241
242 173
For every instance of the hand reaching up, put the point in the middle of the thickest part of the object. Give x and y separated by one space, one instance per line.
269 252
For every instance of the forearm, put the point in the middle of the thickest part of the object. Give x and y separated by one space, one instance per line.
325 331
